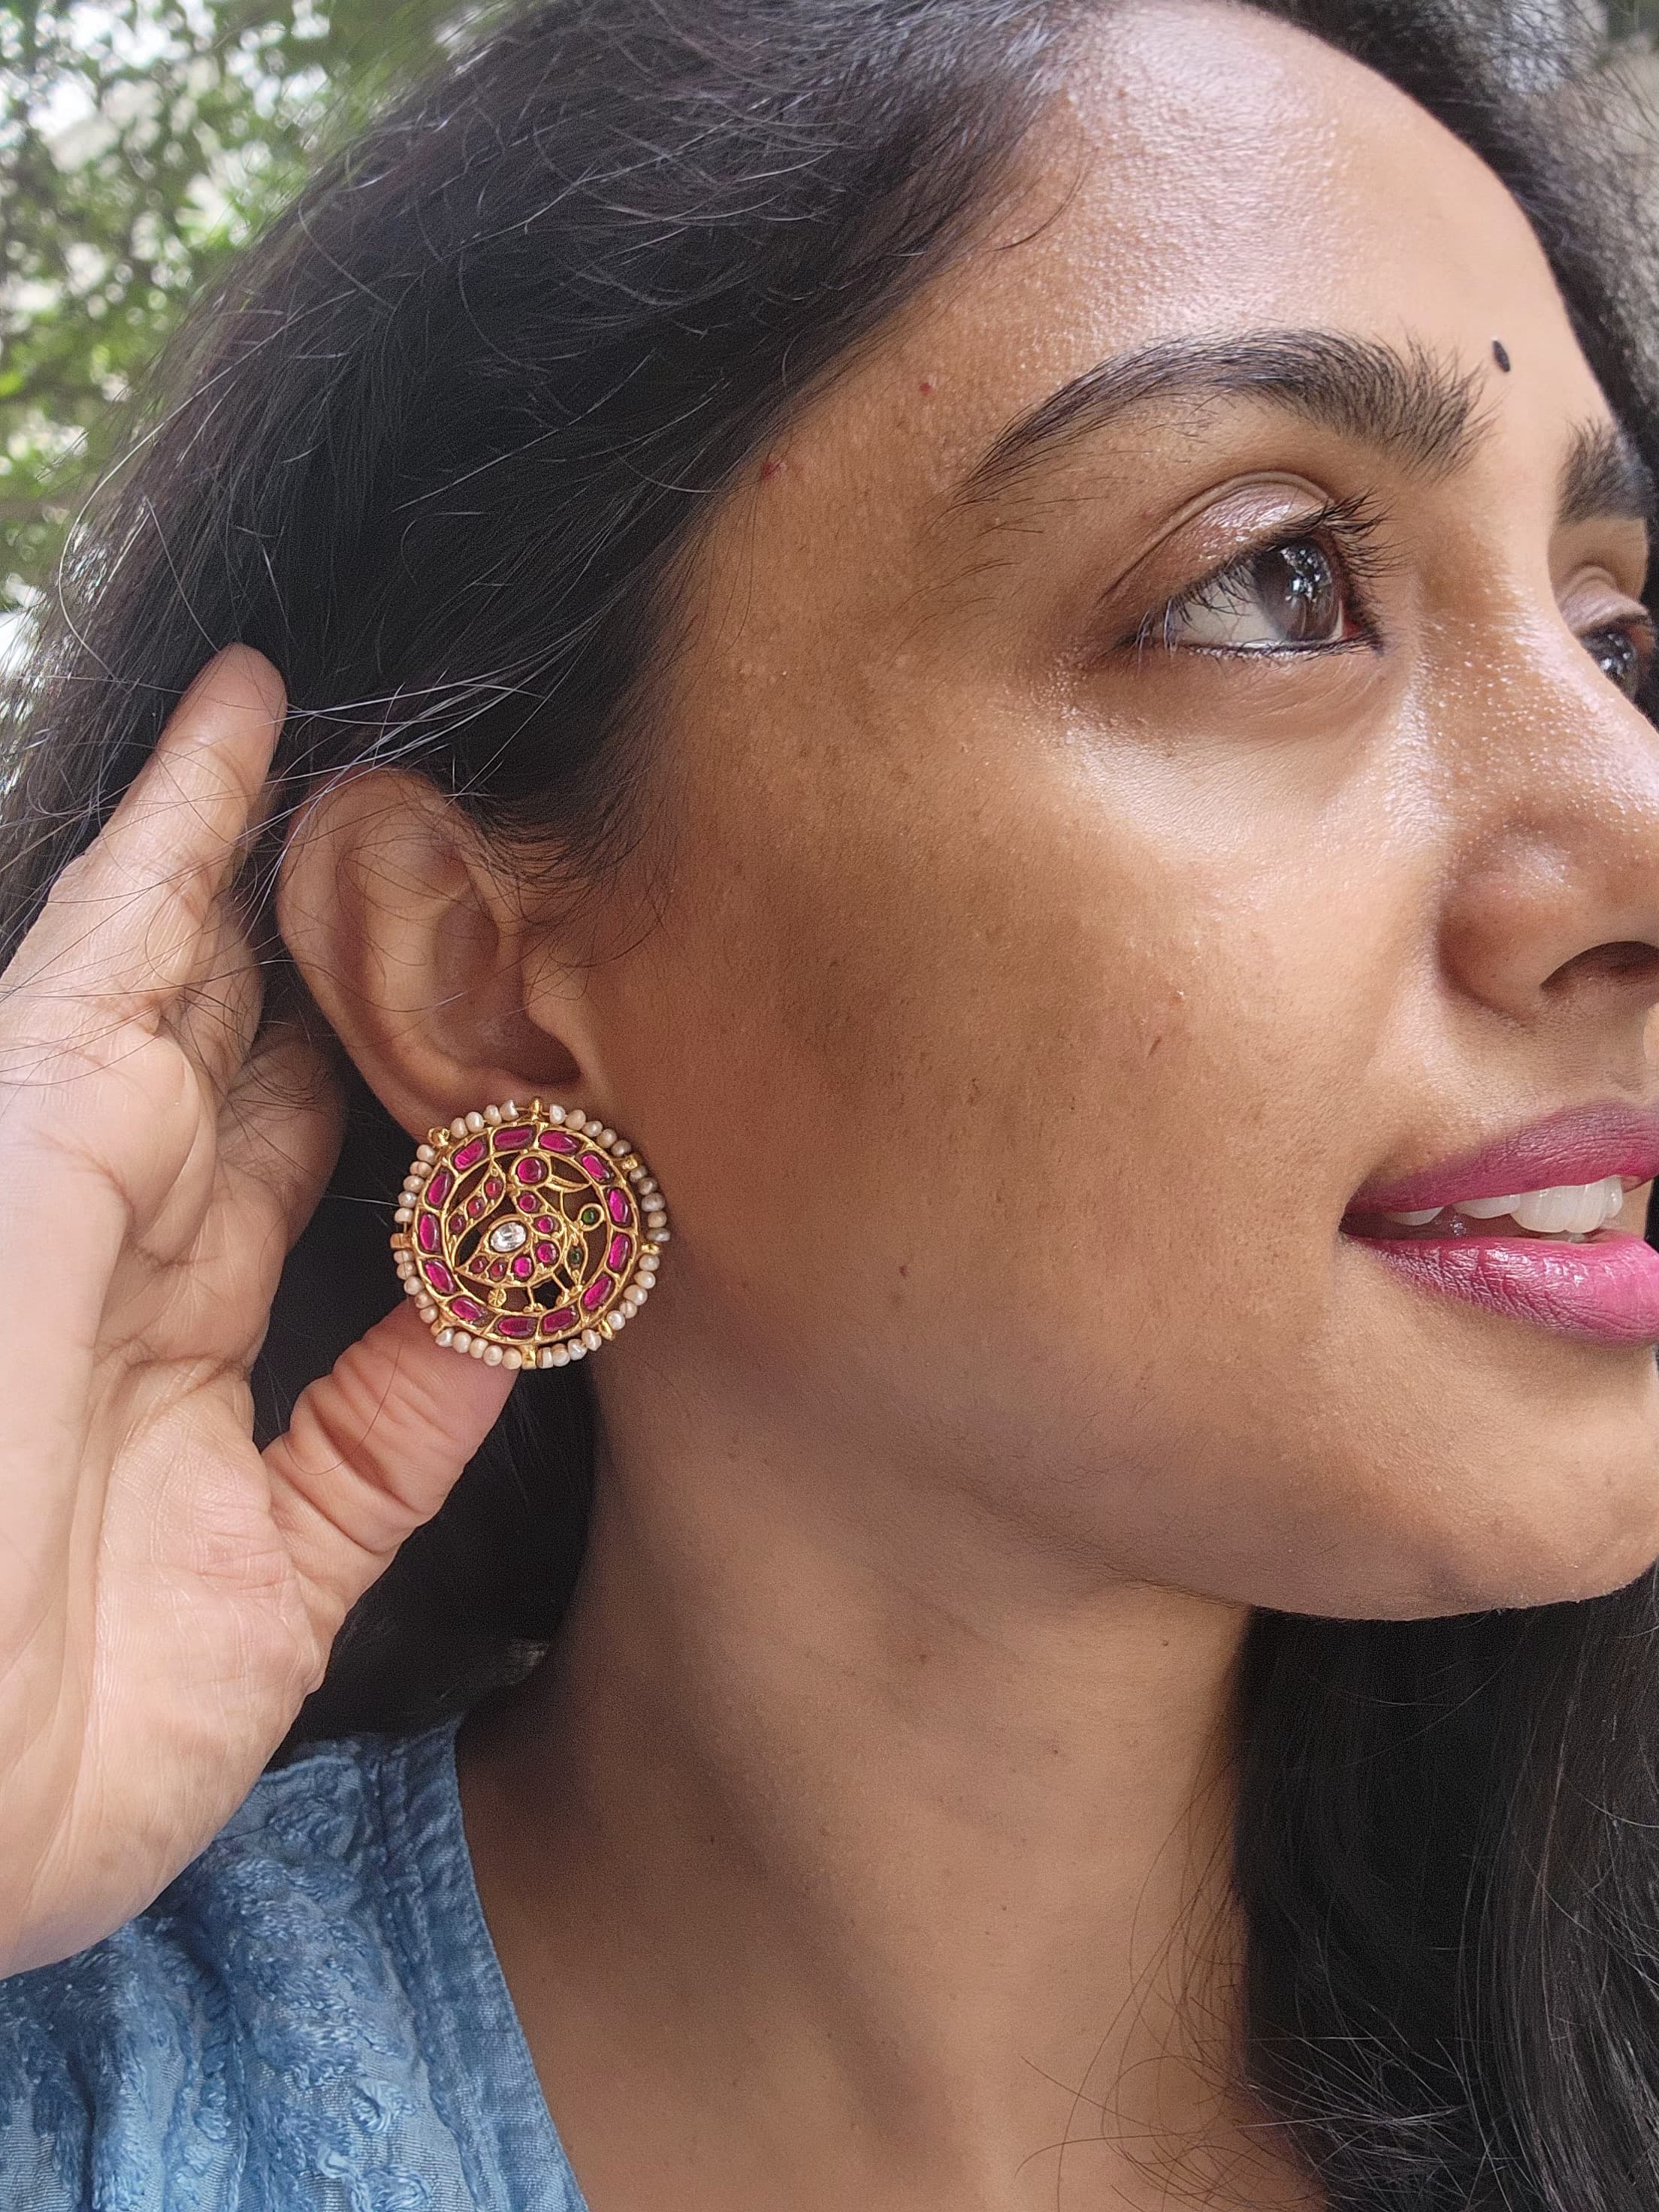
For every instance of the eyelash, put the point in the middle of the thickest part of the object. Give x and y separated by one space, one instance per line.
1344 530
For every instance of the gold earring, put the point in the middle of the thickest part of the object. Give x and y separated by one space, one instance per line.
527 1237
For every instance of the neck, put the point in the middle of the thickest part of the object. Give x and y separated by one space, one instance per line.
845 1859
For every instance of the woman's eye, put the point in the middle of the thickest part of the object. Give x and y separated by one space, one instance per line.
1289 595
1619 656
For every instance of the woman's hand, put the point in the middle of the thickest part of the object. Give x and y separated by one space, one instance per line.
168 1593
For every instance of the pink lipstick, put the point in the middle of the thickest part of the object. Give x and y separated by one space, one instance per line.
1598 1284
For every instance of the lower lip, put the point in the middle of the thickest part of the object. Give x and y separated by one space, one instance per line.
1604 1291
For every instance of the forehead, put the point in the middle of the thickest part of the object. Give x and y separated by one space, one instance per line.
1207 169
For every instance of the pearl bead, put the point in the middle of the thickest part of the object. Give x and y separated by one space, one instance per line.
474 1122
513 1359
636 1174
425 1152
404 1213
510 1109
607 1137
575 1119
427 1312
556 1113
576 1351
647 1186
457 1127
558 1356
492 1355
460 1339
619 1143
615 1320
445 1337
478 1348
659 1235
492 1114
630 1307
592 1339
411 1286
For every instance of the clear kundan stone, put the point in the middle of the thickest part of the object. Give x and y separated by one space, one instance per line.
506 1237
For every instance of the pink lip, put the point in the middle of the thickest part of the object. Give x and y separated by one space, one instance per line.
1605 1291
1583 1145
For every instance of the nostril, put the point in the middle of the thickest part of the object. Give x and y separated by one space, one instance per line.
1630 961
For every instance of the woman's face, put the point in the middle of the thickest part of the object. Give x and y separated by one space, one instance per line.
1059 935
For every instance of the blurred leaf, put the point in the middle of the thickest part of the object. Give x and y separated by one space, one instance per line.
141 141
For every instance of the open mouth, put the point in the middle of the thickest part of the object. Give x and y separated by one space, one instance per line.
1565 1213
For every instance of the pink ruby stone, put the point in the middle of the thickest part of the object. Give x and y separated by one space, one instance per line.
465 1309
617 1254
617 1202
528 1202
524 1266
498 1271
530 1170
545 1223
598 1292
426 1232
511 1140
493 1187
516 1324
437 1189
469 1156
565 1317
598 1168
555 1140
475 1206
546 1254
440 1278
458 1221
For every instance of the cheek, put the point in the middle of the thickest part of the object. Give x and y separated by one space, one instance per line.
1007 1048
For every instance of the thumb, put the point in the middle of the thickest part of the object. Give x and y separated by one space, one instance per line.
374 1449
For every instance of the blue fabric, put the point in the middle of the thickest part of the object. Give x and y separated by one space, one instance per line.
312 2018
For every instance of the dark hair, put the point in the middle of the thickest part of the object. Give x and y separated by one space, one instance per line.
439 443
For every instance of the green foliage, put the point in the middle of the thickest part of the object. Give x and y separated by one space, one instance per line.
141 141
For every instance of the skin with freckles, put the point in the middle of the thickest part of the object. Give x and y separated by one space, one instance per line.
1045 944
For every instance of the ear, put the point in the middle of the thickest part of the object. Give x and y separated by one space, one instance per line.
413 939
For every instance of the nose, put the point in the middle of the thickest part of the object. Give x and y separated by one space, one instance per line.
1552 906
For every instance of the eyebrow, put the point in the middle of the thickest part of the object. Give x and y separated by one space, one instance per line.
1404 401
1604 475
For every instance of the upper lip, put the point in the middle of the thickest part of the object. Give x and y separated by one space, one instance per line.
1584 1144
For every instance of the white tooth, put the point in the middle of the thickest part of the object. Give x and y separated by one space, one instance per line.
1590 1212
1414 1220
1548 1213
1487 1209
1613 1202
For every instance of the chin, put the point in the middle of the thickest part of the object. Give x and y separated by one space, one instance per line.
1580 1523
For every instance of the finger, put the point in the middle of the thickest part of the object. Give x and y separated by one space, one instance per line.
215 1017
374 1449
124 925
279 1130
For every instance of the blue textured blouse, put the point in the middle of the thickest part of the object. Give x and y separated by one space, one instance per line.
311 2018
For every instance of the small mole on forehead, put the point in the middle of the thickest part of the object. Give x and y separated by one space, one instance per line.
1500 353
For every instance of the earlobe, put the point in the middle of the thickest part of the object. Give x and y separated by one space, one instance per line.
409 941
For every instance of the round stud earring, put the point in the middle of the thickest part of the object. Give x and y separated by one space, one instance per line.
527 1237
